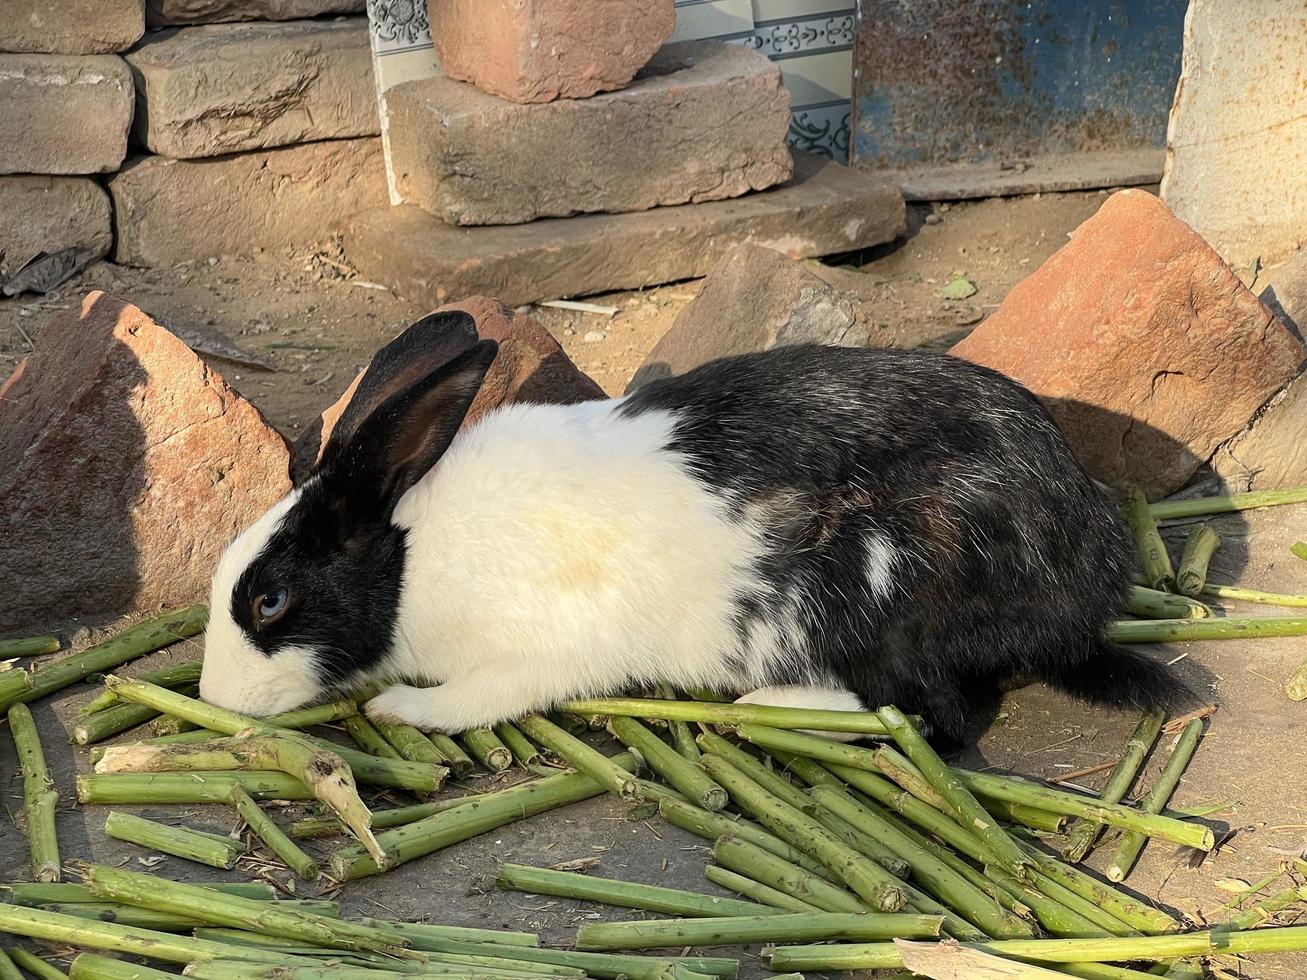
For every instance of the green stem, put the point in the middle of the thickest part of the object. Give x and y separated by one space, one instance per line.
1199 547
1128 848
210 849
381 819
756 890
753 862
274 839
91 966
458 761
28 646
1252 595
1200 506
465 934
36 966
369 739
770 780
487 749
65 893
687 777
1228 628
1154 604
580 756
626 894
409 742
1154 561
863 722
1299 550
525 754
740 930
862 843
8 970
128 915
1085 833
135 642
39 795
1265 910
111 721
132 789
1136 914
176 676
711 826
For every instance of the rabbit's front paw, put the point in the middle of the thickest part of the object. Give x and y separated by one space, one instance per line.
404 705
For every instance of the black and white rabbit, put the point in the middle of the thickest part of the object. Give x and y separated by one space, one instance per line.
836 527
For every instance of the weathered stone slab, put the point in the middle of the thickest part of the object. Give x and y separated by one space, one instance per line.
168 13
126 465
169 211
1146 348
825 209
71 26
709 122
223 88
45 215
753 300
1235 169
1271 454
540 50
63 114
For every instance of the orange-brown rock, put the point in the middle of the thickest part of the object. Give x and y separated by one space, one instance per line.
126 465
530 367
1147 349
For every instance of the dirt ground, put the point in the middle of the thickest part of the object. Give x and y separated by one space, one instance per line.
317 325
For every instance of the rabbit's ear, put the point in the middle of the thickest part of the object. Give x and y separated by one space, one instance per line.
365 475
423 347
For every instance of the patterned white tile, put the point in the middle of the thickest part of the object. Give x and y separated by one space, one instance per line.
401 52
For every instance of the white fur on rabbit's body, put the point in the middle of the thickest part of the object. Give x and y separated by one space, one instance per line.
554 552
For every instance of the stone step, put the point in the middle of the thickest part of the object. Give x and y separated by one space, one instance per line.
48 215
223 88
826 208
63 114
707 121
168 211
168 13
71 26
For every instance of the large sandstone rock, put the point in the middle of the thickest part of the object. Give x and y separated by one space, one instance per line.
46 215
1234 168
825 209
71 26
166 13
169 211
753 300
221 88
1271 454
63 114
530 367
709 123
1147 349
540 50
126 465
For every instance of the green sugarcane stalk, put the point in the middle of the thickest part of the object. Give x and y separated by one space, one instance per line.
458 761
272 836
28 646
1199 547
880 889
962 804
169 727
492 810
580 756
682 738
711 826
127 915
381 819
91 966
746 858
111 721
36 895
626 894
862 843
137 641
937 877
1085 833
14 683
320 714
1201 506
1296 688
485 746
210 849
409 742
343 970
147 891
1153 604
756 891
368 739
1154 561
1253 595
712 744
880 956
1082 920
36 966
468 934
716 713
131 789
176 676
900 770
687 777
525 754
1136 914
1265 910
1128 848
39 795
1228 628
324 772
8 970
741 930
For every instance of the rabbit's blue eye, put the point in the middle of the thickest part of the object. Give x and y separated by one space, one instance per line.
271 605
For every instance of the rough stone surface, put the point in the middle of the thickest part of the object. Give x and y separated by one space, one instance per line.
49 214
1236 169
63 114
711 124
71 26
753 300
221 88
530 367
167 13
1146 348
1272 452
825 209
126 465
170 211
541 50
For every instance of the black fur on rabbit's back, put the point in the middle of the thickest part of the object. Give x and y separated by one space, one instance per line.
929 531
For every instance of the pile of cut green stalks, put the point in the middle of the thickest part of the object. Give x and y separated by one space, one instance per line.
835 856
